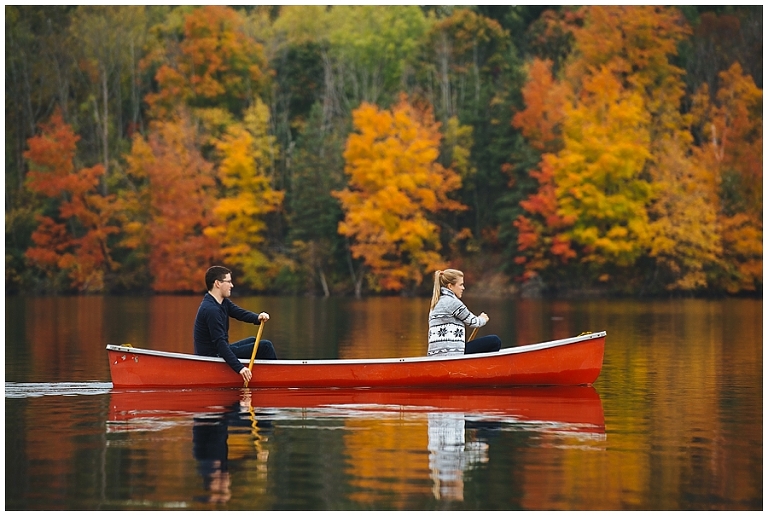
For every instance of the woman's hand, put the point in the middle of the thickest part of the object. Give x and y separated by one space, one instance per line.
484 316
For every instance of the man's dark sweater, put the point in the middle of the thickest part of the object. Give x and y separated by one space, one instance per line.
212 329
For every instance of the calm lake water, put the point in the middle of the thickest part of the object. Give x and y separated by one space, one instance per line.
674 422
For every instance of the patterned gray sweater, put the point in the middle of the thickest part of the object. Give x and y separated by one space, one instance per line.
447 322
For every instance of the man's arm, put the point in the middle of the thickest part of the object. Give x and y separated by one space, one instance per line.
241 314
217 331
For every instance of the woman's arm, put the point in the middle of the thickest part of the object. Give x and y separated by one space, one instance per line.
463 314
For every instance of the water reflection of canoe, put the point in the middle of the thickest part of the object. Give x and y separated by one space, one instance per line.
575 408
572 361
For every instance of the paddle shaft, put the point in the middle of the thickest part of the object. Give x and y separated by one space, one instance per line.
255 348
474 332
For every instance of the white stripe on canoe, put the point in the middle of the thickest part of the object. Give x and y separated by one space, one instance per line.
508 351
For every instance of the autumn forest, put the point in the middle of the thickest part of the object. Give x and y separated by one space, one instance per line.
353 150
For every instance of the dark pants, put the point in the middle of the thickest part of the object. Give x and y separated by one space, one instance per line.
244 349
483 345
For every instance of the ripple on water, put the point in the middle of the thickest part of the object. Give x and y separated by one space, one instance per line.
36 390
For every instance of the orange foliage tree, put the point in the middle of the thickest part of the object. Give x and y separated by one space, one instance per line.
395 184
732 129
545 102
75 239
214 62
169 211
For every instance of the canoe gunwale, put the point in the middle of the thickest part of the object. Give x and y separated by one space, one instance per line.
366 361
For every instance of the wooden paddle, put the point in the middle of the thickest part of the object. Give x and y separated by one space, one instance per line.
474 332
255 348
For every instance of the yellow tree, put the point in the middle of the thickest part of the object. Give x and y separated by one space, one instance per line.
591 203
619 185
246 153
684 237
685 241
395 185
681 232
599 180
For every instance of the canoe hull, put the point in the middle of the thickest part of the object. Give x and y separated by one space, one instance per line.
574 361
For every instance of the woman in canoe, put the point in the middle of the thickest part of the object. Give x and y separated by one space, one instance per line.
449 318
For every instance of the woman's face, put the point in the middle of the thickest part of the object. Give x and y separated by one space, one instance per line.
457 288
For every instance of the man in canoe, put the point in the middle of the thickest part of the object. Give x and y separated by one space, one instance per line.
212 324
449 318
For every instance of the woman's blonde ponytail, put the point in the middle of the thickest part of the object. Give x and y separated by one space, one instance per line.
443 279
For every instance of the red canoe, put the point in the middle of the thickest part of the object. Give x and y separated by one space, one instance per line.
572 361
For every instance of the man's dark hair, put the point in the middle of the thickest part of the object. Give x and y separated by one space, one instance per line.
217 272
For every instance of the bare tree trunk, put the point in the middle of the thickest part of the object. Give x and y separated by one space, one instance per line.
134 88
323 282
14 87
359 286
28 99
119 124
331 100
357 278
105 129
443 53
476 70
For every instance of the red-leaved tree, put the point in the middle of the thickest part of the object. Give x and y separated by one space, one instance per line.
72 236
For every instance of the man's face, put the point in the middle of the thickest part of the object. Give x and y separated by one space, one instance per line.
225 285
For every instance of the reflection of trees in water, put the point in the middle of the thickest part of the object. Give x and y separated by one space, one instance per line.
383 440
450 454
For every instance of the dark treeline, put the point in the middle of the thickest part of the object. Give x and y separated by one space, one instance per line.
354 149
